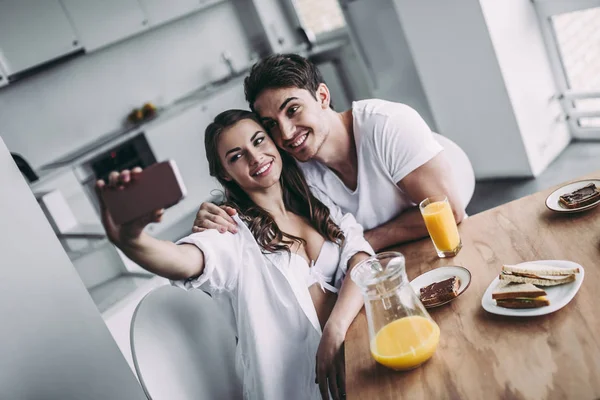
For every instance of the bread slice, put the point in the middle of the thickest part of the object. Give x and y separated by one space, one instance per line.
535 270
540 280
509 290
535 302
580 197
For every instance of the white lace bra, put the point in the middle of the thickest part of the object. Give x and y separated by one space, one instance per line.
323 269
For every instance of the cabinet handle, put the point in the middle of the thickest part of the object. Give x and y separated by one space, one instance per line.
145 22
75 42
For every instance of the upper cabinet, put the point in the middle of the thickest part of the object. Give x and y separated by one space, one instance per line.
33 32
102 22
160 11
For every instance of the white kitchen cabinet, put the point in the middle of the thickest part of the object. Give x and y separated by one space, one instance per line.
103 22
33 32
160 11
231 97
181 138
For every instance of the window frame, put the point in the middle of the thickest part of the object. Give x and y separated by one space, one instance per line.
545 10
321 38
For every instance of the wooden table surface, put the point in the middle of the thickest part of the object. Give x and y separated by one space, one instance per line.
487 356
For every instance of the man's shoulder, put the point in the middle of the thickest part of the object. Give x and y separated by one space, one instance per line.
377 109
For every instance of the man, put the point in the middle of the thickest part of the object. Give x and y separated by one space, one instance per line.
377 160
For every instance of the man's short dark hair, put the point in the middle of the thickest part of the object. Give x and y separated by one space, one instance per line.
282 71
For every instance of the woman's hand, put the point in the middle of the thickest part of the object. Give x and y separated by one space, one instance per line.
125 233
331 373
211 216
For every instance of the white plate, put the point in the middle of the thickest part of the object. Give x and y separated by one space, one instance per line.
559 295
440 274
552 201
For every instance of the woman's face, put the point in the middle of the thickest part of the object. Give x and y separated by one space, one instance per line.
249 156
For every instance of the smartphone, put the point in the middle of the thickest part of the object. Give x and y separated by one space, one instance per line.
158 186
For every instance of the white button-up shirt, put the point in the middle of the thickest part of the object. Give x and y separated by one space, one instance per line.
269 306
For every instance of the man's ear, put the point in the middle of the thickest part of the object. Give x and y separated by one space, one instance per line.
323 96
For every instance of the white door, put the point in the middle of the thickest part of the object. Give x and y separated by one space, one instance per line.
33 32
3 77
160 11
181 138
102 22
379 39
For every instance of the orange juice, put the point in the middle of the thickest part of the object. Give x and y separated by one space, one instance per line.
406 343
441 225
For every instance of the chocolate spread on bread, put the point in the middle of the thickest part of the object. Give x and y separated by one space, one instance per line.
580 197
440 291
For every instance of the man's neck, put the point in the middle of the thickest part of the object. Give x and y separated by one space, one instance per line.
339 150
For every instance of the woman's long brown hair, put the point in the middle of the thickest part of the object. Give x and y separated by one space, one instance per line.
297 197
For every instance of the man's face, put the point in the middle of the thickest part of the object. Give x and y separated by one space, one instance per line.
295 119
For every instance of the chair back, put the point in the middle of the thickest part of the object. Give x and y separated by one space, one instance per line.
462 170
183 348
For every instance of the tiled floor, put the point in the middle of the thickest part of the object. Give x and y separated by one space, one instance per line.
581 157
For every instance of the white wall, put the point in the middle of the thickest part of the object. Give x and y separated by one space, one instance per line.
524 63
53 341
479 76
59 110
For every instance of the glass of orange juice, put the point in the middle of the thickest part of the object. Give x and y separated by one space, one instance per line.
401 332
441 225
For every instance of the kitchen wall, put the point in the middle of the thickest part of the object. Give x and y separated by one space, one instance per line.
488 82
63 108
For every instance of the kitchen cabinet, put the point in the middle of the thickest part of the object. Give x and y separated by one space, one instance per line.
230 97
33 32
103 22
181 138
160 11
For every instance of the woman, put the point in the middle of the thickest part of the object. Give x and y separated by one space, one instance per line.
277 275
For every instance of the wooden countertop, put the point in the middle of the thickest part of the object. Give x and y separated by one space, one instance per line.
483 355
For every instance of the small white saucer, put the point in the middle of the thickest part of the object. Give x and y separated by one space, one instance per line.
552 201
440 274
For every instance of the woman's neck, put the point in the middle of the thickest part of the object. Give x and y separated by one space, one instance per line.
270 199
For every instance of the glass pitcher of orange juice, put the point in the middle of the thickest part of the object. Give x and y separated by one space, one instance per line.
441 225
402 335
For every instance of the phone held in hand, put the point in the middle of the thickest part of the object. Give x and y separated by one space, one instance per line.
158 186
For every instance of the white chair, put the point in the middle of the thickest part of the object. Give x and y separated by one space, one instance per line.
182 347
464 176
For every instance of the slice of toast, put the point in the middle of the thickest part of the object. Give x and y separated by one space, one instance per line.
580 197
547 280
509 290
534 270
536 302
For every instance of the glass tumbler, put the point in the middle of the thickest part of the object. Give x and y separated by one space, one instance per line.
441 225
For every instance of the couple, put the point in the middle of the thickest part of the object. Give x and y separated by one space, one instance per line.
280 273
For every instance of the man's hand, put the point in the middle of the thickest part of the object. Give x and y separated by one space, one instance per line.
211 216
132 230
330 370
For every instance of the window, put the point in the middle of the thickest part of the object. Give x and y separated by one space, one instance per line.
320 16
571 29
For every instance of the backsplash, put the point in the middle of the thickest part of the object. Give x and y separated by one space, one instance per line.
52 113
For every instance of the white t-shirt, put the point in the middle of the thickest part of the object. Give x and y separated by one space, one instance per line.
268 301
392 140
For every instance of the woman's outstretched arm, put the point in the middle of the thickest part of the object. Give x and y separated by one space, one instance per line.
160 257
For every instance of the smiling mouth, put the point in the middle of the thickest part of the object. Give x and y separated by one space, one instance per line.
263 169
298 142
